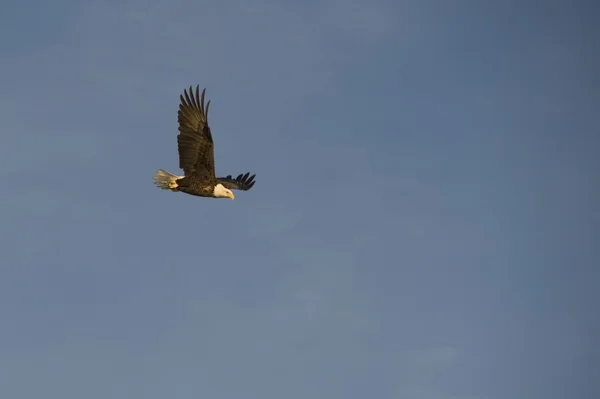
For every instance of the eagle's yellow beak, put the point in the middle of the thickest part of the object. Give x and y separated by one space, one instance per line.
231 196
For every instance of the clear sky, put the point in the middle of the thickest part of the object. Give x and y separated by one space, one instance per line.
425 222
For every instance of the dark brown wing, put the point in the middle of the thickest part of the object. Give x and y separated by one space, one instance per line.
194 141
242 182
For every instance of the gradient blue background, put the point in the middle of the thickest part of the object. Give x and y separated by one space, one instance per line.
425 223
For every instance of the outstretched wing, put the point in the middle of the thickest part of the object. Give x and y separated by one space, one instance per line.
242 182
194 141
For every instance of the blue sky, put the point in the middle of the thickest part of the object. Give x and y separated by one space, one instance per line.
422 225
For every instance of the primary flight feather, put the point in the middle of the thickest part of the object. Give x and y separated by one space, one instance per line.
196 155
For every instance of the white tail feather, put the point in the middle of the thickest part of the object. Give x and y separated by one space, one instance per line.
164 179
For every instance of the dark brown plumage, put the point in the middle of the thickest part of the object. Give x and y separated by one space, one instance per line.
196 154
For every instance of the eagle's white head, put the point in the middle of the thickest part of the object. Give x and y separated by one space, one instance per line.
221 192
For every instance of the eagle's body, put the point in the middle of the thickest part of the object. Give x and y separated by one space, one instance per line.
196 155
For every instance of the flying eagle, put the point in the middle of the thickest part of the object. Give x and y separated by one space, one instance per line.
196 155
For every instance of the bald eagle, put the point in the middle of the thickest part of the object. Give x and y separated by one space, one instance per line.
196 155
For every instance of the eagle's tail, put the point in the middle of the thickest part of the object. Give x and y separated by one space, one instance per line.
165 180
